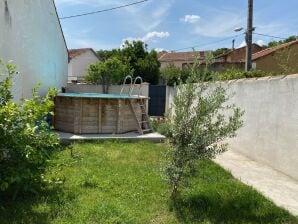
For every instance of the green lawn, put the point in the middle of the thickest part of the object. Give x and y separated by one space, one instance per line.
122 183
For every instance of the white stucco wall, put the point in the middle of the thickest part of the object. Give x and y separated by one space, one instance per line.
77 67
270 131
31 37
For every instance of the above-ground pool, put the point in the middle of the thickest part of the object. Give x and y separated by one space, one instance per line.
91 113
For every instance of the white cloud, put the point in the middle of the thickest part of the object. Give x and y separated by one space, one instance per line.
153 35
243 44
159 49
190 18
149 37
260 42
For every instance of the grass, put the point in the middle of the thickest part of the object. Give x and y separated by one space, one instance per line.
121 183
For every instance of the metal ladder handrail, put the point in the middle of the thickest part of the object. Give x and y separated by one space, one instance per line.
124 83
134 83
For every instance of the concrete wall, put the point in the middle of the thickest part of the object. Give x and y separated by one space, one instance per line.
32 39
77 67
270 132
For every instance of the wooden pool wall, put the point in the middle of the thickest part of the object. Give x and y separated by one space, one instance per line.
96 115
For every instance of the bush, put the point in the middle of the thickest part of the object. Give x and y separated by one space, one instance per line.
159 125
239 74
25 140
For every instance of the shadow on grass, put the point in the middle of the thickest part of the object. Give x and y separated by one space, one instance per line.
41 207
214 209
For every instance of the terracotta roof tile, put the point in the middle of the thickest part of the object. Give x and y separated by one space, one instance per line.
271 50
182 56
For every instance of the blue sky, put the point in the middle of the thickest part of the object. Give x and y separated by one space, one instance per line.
174 24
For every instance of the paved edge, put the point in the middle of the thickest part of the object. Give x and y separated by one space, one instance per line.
66 138
278 187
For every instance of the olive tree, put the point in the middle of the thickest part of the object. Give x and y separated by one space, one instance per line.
199 122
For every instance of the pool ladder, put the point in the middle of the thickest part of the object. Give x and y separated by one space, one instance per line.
132 85
143 125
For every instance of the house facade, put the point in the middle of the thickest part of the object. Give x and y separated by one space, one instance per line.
180 59
231 59
280 60
32 39
237 55
79 60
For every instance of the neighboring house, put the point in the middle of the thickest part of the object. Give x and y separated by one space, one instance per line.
31 38
180 59
231 59
79 60
237 55
282 59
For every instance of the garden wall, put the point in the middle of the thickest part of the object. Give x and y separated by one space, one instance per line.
270 132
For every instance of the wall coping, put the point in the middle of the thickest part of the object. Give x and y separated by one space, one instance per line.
265 78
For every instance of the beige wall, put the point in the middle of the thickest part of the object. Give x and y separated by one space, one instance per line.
77 67
31 38
281 62
270 131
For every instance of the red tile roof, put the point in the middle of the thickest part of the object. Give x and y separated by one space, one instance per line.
181 56
76 52
271 50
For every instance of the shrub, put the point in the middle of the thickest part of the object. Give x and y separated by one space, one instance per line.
171 74
25 139
239 74
159 125
196 127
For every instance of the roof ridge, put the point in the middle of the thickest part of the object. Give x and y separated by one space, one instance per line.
268 51
278 46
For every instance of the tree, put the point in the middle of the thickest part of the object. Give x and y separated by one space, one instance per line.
144 63
106 54
111 71
148 68
276 43
171 74
220 51
196 128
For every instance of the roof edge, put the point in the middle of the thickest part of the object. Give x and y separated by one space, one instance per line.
53 1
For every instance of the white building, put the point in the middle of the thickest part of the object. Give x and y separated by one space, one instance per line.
79 60
31 37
